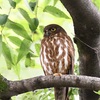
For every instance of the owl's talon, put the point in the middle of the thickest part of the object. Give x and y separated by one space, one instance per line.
57 74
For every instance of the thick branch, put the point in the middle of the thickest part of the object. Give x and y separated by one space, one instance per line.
86 20
41 82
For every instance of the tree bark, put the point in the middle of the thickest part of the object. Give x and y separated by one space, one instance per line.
86 20
41 82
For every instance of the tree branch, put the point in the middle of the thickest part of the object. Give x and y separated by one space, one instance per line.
86 20
41 82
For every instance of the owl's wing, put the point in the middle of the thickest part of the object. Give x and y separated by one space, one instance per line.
71 55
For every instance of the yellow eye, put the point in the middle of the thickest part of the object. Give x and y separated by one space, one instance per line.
53 29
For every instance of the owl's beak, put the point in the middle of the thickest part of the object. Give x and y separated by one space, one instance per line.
47 33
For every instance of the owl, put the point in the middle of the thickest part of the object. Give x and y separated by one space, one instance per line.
57 56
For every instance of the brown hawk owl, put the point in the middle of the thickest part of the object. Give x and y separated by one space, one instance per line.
57 55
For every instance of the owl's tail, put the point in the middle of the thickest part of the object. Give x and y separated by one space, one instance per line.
61 93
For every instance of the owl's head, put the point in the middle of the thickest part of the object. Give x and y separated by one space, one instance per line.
52 29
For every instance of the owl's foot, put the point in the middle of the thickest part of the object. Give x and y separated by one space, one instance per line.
57 74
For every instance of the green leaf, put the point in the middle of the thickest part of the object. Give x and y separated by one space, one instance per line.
15 40
55 1
25 15
17 1
24 49
31 53
6 52
41 28
18 29
0 44
55 11
28 60
34 24
46 2
97 92
37 47
32 63
3 19
12 3
97 3
32 5
9 64
17 69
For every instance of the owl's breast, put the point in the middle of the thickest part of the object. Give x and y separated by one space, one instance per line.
54 55
57 48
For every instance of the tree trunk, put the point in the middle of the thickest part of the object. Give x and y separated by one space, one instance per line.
86 20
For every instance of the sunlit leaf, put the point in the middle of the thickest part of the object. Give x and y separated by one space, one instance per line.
17 1
15 40
31 54
18 29
3 19
41 28
6 52
12 3
9 64
24 49
76 69
14 56
25 15
97 3
32 63
72 92
28 60
55 1
46 2
37 47
16 68
97 92
47 93
55 11
34 24
0 44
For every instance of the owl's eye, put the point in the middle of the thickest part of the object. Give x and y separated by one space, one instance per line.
53 29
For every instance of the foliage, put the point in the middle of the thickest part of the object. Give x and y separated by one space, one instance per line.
97 92
21 27
97 3
55 11
3 85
